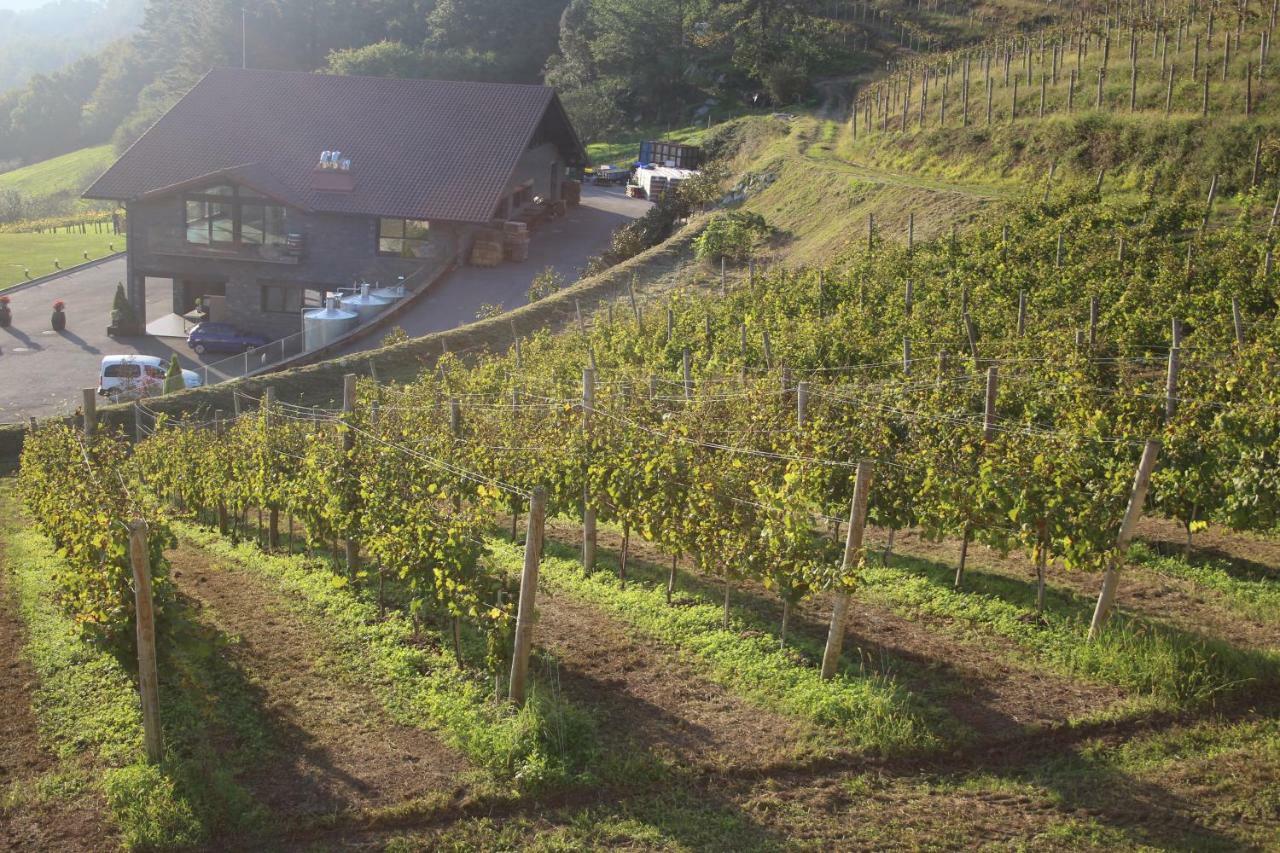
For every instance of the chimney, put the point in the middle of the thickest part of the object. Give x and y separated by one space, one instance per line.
333 173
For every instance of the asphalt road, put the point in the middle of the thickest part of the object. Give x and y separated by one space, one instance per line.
564 244
42 371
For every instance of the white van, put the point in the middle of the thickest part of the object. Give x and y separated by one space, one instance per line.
128 376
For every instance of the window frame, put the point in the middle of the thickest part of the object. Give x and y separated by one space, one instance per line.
402 237
238 201
309 296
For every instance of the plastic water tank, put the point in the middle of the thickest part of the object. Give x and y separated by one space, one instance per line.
365 303
322 326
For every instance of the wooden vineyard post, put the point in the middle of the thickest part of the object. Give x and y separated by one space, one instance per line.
1093 321
687 373
906 356
148 676
988 433
348 462
219 429
528 596
1237 321
89 409
1171 384
802 402
852 556
1022 312
1208 207
631 293
1111 578
588 505
515 342
724 279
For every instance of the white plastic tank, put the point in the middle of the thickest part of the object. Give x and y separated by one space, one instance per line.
365 303
322 326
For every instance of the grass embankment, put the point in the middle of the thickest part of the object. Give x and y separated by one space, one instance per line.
86 704
38 253
546 743
67 175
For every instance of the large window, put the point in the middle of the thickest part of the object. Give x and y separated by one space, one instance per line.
290 298
404 238
233 215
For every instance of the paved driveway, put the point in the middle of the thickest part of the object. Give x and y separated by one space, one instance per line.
565 244
42 371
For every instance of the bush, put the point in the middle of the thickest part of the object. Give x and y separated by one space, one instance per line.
545 283
731 235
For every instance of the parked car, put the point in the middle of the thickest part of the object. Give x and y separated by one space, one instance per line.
223 337
131 376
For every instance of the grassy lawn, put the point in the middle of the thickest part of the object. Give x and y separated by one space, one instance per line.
37 252
70 173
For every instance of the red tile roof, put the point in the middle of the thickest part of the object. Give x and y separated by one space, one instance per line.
420 149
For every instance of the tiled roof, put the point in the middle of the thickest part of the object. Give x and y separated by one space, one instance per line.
421 149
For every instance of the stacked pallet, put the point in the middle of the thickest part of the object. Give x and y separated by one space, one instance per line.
488 249
516 240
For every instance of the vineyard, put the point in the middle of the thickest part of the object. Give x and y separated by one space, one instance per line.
962 534
869 515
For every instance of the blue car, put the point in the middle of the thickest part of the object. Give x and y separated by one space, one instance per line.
221 337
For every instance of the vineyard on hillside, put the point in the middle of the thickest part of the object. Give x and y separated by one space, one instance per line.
1027 388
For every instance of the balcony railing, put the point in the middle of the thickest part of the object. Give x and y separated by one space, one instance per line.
174 243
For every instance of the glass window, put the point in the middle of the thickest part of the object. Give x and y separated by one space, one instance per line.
121 371
290 298
197 221
225 214
404 238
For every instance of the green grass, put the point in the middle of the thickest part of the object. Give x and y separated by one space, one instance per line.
624 148
1147 658
1254 595
69 174
86 705
37 253
545 743
868 712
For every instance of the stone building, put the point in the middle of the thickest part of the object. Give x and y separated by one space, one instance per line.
266 189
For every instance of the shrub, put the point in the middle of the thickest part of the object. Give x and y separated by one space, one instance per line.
731 235
545 283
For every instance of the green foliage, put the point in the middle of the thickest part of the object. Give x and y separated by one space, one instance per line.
173 381
733 236
82 495
545 283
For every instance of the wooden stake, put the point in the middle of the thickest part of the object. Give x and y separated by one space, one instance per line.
802 402
145 620
686 357
1208 207
89 411
1137 497
525 609
635 306
1093 322
348 462
1022 312
852 558
588 503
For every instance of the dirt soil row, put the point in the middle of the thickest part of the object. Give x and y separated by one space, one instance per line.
1176 601
335 749
978 682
